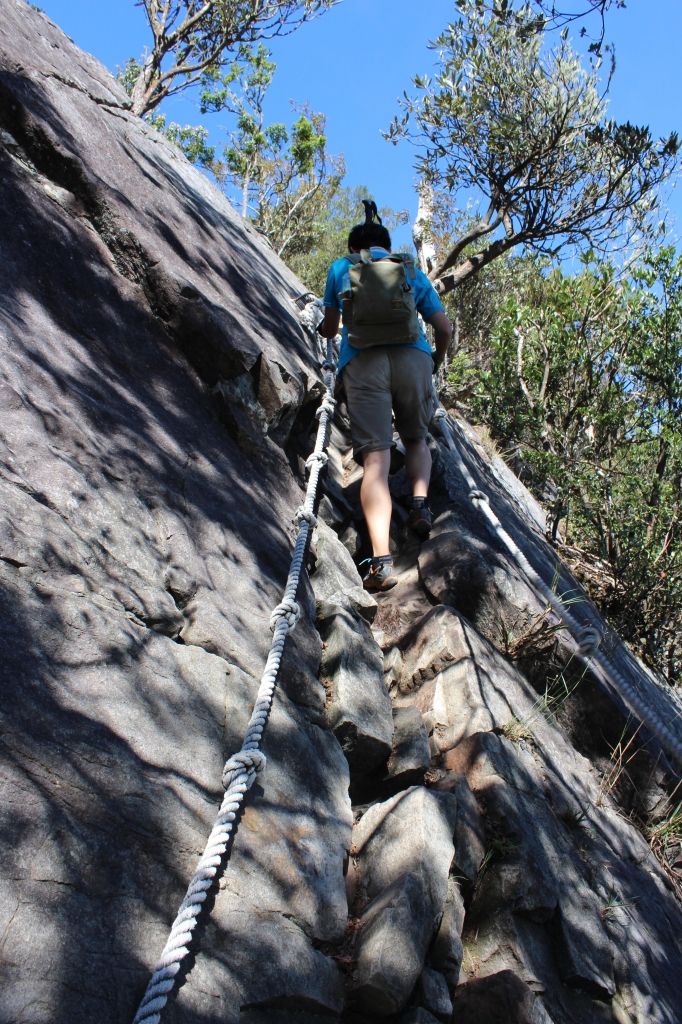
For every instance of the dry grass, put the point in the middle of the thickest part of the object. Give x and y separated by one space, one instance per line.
620 759
594 574
537 639
517 729
665 836
547 706
614 903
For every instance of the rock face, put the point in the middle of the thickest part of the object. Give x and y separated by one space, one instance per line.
403 849
145 535
157 397
358 706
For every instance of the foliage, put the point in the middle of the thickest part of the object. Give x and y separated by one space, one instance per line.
474 306
523 125
557 17
285 176
192 140
583 389
193 37
130 72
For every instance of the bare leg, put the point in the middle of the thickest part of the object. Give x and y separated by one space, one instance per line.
376 499
418 466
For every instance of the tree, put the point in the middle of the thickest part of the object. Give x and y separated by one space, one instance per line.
285 177
191 139
192 37
551 16
523 126
583 391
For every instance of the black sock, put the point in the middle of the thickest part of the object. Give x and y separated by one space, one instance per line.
417 502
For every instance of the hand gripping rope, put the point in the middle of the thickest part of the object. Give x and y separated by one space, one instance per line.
241 769
587 637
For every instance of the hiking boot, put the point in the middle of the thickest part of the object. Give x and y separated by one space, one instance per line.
379 576
419 518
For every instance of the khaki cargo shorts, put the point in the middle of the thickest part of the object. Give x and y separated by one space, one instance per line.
388 378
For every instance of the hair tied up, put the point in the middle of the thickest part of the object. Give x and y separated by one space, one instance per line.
371 211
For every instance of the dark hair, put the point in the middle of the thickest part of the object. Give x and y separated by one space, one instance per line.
362 236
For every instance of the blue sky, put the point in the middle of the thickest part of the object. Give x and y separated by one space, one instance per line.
355 62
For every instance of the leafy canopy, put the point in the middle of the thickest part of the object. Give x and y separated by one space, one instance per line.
522 125
582 387
284 176
192 37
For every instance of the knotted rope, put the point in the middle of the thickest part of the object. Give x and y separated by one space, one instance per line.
241 768
587 637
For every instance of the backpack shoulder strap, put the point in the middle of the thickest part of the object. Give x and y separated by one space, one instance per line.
408 259
359 257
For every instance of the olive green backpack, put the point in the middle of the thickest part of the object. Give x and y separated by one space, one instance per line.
378 302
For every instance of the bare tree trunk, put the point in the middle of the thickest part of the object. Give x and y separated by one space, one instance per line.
421 234
454 344
139 96
519 368
245 193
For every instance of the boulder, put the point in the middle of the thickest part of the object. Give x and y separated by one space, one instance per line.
350 538
470 838
395 930
411 756
157 396
584 951
274 1016
330 514
446 950
412 831
341 481
442 678
533 872
478 578
464 564
432 993
403 849
393 666
336 576
417 1015
153 366
358 706
294 833
260 962
500 998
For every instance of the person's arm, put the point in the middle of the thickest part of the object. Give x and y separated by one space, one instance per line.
329 327
442 332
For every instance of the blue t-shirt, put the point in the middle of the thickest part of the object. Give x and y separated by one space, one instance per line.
425 298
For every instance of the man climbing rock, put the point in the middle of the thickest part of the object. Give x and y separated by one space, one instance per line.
386 365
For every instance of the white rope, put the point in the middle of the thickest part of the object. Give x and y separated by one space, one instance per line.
241 769
587 637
